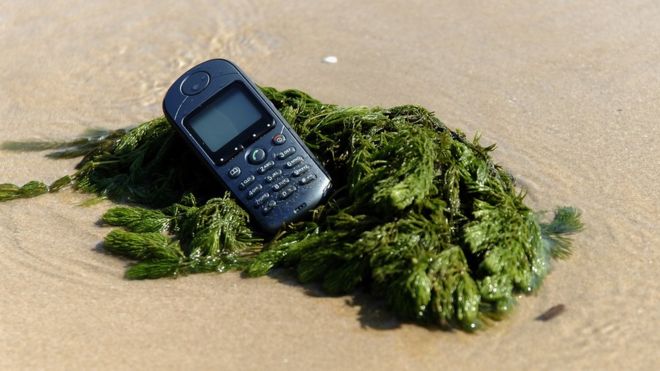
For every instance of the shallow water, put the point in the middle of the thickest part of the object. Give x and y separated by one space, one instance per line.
569 92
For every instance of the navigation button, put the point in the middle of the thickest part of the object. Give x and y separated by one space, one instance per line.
257 156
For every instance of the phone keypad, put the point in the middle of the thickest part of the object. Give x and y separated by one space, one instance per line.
279 174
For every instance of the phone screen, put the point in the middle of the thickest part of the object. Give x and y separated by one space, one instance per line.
224 118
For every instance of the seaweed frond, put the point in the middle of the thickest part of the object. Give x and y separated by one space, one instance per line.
421 216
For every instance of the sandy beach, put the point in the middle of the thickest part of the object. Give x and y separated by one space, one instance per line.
569 91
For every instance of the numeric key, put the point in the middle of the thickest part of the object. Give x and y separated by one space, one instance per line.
256 189
272 176
265 167
287 192
246 182
300 170
280 184
286 153
293 162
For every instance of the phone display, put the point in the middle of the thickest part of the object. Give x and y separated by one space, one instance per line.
226 117
246 143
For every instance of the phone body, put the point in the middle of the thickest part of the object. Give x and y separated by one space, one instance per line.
246 143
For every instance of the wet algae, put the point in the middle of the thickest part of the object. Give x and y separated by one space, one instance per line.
420 216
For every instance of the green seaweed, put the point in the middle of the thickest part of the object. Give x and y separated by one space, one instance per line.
31 189
421 216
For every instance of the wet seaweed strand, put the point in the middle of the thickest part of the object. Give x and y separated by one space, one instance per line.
421 216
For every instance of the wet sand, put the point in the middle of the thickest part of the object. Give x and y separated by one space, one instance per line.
570 92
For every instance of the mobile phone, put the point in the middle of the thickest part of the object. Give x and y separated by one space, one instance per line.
246 143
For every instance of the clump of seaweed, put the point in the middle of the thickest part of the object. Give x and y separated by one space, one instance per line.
421 216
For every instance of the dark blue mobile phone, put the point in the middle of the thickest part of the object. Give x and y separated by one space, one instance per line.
246 143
